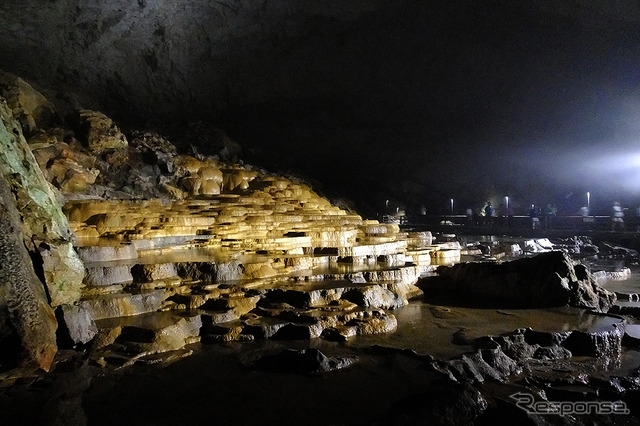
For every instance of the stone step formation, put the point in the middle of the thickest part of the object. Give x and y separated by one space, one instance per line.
240 267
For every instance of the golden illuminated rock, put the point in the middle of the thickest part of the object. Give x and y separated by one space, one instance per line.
273 260
99 132
210 173
187 165
139 338
237 178
67 168
173 191
28 106
375 322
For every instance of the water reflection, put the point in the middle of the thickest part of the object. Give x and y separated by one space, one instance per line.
430 329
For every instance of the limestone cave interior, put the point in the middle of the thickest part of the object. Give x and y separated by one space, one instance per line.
319 212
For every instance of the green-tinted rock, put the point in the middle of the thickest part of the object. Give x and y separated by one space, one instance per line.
24 309
40 212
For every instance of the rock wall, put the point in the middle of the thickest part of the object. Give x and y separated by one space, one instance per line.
46 229
27 323
341 76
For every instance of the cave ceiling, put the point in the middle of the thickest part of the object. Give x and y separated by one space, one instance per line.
427 99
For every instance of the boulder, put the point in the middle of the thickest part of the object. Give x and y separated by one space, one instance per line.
237 177
169 333
76 179
299 331
29 106
546 280
263 327
374 322
525 344
65 166
99 133
78 324
124 304
374 296
63 271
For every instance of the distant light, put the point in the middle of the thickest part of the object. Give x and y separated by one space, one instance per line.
615 171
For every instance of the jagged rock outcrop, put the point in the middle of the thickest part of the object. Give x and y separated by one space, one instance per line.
27 323
548 279
497 358
36 201
32 109
68 169
96 160
153 149
99 133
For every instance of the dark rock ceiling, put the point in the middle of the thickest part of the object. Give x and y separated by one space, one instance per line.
418 100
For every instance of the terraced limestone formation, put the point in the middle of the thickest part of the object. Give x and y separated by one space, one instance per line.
271 260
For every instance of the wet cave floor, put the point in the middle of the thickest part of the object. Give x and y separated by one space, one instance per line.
218 385
389 382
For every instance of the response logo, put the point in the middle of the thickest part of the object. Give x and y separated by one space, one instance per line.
528 403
